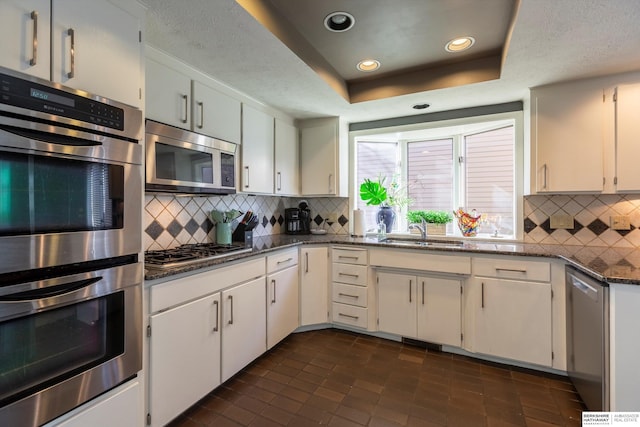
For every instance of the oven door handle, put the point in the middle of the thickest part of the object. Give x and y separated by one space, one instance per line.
50 138
48 292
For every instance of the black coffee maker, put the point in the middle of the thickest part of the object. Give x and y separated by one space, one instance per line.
298 220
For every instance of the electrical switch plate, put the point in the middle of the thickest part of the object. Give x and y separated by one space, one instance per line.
620 222
564 221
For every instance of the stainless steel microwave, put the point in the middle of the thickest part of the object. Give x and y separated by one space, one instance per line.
179 161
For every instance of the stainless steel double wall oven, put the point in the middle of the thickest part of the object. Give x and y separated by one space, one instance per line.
70 240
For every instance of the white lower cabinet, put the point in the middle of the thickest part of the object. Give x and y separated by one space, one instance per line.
186 356
202 329
282 296
119 407
422 307
314 285
510 319
243 326
508 309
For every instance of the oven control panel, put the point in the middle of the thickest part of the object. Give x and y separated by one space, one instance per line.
56 102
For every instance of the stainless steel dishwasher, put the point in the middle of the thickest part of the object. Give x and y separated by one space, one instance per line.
588 338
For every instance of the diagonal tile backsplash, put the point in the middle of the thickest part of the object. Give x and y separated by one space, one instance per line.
592 219
171 221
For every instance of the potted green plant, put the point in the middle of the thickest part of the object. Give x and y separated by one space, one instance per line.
375 193
436 220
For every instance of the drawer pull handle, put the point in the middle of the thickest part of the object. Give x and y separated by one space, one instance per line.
348 275
349 316
285 261
347 257
348 295
512 270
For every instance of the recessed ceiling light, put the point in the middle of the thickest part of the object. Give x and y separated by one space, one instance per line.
368 65
460 44
421 106
339 21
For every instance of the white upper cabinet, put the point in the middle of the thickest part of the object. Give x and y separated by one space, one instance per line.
26 36
584 136
287 180
97 49
567 130
168 94
179 96
627 134
257 151
215 114
323 158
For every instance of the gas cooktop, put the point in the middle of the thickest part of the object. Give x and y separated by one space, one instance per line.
190 254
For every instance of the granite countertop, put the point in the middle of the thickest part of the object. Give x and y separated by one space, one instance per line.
612 265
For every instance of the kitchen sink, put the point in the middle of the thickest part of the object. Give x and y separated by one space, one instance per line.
426 243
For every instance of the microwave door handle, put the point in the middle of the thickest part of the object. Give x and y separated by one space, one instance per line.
51 138
48 292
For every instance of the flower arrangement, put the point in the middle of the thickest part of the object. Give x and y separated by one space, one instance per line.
375 193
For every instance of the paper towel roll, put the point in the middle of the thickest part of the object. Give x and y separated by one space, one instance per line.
358 223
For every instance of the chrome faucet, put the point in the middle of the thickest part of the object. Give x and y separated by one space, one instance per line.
421 227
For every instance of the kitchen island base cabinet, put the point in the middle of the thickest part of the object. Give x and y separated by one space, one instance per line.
244 333
185 344
509 319
421 307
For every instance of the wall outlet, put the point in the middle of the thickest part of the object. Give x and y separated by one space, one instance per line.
620 222
564 221
332 217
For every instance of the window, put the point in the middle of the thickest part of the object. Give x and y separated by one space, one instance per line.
470 166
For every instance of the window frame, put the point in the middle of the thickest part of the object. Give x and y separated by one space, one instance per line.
382 134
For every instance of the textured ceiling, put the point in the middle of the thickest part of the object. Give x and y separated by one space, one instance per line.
552 40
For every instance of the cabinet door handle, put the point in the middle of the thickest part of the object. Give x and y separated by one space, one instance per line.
423 292
246 183
544 176
231 311
34 46
72 51
185 104
482 295
306 262
410 286
349 316
348 275
273 300
216 305
330 181
348 295
279 181
512 270
201 106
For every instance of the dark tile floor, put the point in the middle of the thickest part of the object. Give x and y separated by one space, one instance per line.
337 378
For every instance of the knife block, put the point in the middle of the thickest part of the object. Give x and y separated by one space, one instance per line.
240 234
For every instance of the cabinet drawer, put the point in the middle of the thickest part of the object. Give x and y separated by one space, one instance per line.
512 268
349 294
282 260
349 256
350 273
349 315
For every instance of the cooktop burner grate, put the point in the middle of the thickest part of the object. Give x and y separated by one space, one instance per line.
192 253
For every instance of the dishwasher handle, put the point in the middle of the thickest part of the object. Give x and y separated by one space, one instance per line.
585 288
